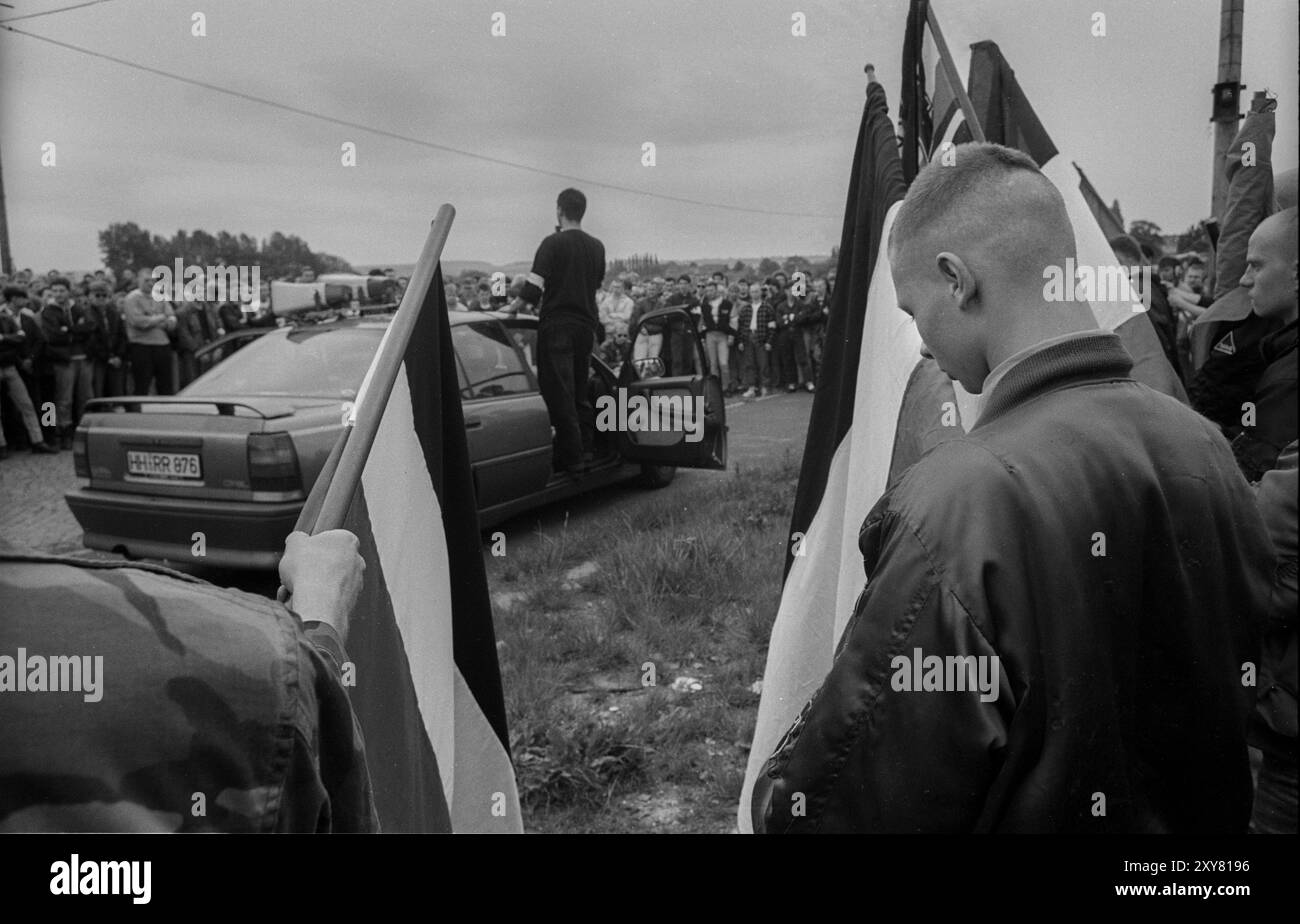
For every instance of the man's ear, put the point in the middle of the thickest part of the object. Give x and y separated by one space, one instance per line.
957 277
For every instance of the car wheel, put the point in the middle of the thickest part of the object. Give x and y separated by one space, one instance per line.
657 476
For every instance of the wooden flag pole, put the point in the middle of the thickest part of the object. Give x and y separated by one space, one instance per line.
955 79
372 397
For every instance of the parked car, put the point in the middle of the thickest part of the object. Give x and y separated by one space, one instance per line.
234 455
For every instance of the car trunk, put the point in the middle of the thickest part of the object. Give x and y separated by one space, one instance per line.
225 449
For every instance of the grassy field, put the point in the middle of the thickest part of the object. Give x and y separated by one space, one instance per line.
631 648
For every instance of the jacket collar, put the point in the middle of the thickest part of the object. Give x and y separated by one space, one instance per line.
1097 358
1279 343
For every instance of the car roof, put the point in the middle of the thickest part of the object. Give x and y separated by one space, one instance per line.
379 321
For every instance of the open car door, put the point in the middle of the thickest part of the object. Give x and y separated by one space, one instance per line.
668 409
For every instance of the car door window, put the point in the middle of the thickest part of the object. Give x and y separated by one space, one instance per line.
489 361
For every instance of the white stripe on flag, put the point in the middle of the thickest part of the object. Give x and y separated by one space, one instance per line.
824 583
406 521
1090 242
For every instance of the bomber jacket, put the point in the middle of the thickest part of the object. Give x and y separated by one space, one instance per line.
1257 447
13 340
108 338
56 330
1096 539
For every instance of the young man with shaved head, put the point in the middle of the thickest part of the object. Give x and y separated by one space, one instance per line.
1270 278
1058 602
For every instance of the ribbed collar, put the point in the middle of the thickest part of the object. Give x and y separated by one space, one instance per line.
1096 358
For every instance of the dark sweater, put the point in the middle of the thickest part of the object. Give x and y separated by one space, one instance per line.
570 266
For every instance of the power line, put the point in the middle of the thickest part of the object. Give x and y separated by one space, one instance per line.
284 107
62 9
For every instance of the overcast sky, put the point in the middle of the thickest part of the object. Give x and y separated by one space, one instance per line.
742 113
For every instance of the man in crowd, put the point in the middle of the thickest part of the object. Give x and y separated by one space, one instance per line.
755 327
649 342
148 323
1269 420
568 268
682 356
453 298
715 321
13 354
1088 545
197 325
107 348
811 321
787 349
212 710
65 329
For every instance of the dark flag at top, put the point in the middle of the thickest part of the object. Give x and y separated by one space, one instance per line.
1007 118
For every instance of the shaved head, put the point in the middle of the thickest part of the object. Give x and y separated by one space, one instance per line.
1271 266
969 251
993 206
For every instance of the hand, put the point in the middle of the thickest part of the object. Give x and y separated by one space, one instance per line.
323 575
115 361
768 347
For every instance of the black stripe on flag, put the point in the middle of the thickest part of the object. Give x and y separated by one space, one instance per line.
403 767
440 426
875 184
1003 111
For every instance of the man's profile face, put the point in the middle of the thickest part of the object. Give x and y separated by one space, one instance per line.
948 334
1195 278
1269 276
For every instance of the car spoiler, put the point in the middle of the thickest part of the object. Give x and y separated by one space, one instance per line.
267 410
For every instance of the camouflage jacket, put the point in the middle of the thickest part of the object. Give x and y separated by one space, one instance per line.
134 698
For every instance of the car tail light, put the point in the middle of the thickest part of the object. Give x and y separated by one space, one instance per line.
272 463
80 457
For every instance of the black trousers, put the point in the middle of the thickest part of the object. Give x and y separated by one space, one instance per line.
152 364
563 364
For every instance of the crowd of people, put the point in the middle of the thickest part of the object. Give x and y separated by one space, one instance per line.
759 335
65 341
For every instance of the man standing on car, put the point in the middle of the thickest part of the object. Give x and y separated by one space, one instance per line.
567 270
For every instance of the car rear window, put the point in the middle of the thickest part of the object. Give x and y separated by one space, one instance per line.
308 363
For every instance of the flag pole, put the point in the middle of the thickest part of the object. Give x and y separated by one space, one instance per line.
954 79
362 426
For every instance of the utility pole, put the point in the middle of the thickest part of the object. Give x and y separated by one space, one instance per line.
1226 111
6 258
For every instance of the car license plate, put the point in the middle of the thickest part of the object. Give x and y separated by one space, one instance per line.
164 466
